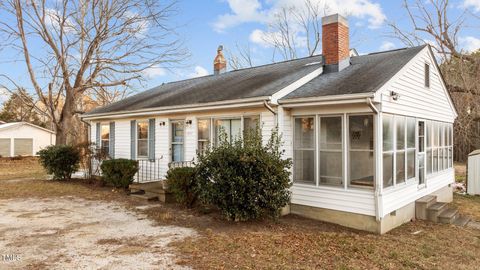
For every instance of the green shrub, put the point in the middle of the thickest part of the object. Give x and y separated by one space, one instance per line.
181 182
60 160
119 172
245 179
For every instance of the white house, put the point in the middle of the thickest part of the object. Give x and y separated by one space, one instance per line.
23 139
368 135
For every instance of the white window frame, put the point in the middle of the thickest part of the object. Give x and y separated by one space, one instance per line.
138 139
315 150
101 139
318 149
172 121
209 140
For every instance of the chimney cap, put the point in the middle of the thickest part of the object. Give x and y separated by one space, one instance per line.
335 18
220 48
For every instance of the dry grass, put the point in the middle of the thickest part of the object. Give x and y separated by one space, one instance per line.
292 242
23 168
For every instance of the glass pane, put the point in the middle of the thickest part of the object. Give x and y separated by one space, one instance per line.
435 160
387 170
440 159
361 168
304 166
442 135
429 161
410 164
142 148
204 129
450 157
421 168
331 133
421 136
400 122
450 128
400 177
304 133
105 132
387 132
177 152
142 130
222 126
361 132
202 146
435 134
429 134
410 132
251 123
236 132
177 131
331 168
445 158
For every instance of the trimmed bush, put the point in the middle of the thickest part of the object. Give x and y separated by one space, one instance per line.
60 160
119 172
245 179
182 183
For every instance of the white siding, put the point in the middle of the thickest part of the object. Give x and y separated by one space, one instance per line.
350 200
415 99
162 145
407 193
122 139
267 119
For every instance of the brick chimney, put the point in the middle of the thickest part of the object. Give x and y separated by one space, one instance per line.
335 42
219 64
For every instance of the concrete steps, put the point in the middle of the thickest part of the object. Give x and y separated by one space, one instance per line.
427 208
151 191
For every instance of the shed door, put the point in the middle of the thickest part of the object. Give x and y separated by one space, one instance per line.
5 147
23 147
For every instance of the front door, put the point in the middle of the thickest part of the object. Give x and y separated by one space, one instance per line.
421 152
178 128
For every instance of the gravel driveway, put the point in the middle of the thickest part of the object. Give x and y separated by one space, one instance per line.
73 233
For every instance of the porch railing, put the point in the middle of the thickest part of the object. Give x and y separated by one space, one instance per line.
149 170
180 164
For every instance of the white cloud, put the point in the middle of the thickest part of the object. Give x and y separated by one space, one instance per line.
199 72
387 45
469 43
244 11
4 96
475 4
154 71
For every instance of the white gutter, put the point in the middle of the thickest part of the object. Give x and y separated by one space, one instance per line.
323 99
378 188
257 101
265 103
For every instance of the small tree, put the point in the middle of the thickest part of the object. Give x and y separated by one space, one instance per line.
245 179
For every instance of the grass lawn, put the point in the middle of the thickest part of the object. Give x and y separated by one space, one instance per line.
290 243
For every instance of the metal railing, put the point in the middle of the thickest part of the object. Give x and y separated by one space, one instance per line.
149 170
180 164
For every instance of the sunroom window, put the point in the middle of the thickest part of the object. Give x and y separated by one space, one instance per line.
400 150
388 150
411 123
360 150
331 161
230 128
203 135
304 150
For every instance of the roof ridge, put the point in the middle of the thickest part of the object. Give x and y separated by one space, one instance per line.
394 50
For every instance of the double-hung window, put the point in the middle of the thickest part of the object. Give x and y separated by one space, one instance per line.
330 150
388 150
142 139
178 132
304 150
227 130
105 137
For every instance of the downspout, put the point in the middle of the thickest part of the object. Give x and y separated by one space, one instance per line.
377 193
265 103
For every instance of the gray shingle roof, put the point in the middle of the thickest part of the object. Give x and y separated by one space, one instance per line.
367 73
253 82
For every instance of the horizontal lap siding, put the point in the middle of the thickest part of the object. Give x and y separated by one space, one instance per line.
122 139
408 193
353 201
415 99
267 125
191 139
162 145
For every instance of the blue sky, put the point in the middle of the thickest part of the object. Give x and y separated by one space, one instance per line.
206 24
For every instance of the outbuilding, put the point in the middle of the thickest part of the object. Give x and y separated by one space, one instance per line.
23 139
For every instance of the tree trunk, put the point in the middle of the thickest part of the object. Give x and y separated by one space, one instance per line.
66 127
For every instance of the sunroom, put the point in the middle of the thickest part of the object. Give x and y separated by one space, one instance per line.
348 162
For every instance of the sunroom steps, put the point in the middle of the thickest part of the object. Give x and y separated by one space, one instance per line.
427 208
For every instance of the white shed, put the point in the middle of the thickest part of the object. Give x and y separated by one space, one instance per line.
23 139
473 173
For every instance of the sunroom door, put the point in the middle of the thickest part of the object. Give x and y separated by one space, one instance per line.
421 152
178 128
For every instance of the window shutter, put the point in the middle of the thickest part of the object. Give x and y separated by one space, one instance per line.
98 141
112 140
133 139
151 138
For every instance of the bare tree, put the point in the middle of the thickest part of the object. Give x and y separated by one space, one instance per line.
296 27
72 48
240 57
431 22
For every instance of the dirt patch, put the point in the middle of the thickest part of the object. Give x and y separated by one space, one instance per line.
21 168
72 233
